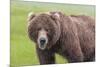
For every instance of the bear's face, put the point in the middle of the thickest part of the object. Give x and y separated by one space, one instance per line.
43 29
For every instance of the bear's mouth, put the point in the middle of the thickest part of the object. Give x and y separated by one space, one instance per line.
42 46
42 42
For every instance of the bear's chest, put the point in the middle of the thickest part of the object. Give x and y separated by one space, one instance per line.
59 48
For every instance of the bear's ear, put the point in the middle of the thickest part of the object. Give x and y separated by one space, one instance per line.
31 15
55 16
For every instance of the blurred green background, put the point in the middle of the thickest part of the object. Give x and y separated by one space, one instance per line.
23 50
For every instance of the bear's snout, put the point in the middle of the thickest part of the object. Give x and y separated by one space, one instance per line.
42 39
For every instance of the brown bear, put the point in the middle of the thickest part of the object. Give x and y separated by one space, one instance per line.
72 37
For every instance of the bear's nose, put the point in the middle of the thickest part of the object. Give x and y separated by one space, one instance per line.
42 41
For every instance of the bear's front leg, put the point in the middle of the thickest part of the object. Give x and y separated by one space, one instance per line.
74 55
72 48
46 56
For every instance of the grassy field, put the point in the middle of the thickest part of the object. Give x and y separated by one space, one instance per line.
22 49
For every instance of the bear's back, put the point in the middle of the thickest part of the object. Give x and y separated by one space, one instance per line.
86 32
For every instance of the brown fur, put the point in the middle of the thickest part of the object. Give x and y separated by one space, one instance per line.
73 37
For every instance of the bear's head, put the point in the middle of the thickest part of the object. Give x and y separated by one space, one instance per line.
44 29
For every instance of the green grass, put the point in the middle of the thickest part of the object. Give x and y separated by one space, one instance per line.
22 49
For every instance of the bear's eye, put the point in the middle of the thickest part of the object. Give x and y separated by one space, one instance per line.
47 30
38 29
